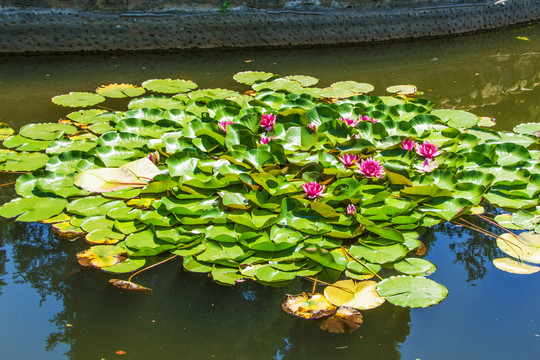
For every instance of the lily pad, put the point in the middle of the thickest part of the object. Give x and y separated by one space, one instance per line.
525 246
48 131
402 89
345 319
169 86
101 256
514 267
5 131
251 77
306 306
355 87
78 99
411 291
120 90
356 294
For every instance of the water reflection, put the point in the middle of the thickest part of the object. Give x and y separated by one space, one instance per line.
190 317
186 313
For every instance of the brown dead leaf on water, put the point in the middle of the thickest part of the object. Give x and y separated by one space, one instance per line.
346 319
128 285
421 250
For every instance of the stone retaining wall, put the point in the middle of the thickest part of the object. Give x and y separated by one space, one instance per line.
103 25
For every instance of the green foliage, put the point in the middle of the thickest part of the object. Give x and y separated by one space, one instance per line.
258 187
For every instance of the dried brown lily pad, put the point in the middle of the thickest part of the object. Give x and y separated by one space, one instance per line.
345 319
313 306
128 285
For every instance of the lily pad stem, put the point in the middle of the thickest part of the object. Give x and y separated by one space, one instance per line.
361 263
328 284
151 266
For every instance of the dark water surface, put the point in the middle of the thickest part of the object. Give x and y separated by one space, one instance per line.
51 308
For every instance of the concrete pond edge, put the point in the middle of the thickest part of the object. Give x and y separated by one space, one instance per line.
69 30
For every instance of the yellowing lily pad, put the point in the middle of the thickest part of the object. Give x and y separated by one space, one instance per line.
356 294
120 90
67 230
5 131
313 306
525 247
101 255
402 89
514 267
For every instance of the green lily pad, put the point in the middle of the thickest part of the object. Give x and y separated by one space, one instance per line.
49 131
411 291
169 86
527 128
156 102
303 79
33 208
78 99
457 118
251 77
353 86
415 266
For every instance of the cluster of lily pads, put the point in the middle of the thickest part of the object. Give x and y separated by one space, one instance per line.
283 181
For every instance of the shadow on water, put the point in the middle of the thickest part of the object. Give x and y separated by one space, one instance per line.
188 316
186 313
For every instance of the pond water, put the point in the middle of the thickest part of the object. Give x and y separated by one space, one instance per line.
51 308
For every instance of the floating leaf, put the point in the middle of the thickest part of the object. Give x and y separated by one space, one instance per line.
169 86
5 131
411 291
120 90
250 77
78 99
457 118
33 208
514 267
527 128
353 86
47 131
304 80
415 266
128 285
305 306
101 256
402 89
345 319
525 247
356 294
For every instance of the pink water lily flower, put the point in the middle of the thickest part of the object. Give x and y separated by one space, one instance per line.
348 160
351 209
408 144
268 121
313 189
313 127
367 118
223 125
265 139
370 168
348 121
428 150
427 167
154 157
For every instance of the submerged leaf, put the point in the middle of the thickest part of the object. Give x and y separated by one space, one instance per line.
345 319
128 285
